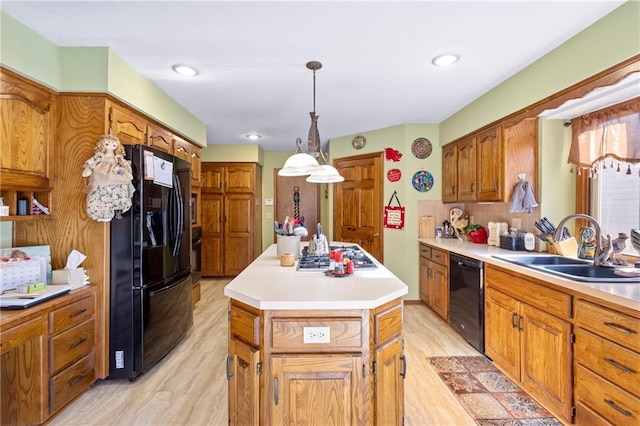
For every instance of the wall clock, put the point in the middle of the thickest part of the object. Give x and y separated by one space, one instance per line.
359 142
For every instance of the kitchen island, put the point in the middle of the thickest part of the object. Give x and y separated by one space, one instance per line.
305 348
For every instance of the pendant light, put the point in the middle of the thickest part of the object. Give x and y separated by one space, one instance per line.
306 163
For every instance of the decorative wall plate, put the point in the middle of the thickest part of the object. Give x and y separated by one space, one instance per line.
421 148
359 142
422 181
394 175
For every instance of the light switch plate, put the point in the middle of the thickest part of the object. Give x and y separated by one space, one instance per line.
529 241
268 201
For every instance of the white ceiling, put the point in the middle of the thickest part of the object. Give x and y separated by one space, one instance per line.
376 55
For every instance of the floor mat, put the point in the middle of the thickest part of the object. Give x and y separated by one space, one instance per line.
489 396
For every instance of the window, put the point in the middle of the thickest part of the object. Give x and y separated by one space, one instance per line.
615 199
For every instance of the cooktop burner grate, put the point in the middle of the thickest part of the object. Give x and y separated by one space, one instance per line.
311 261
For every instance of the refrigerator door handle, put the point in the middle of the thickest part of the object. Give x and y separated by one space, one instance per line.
180 216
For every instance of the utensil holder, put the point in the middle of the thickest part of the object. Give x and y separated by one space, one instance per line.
288 244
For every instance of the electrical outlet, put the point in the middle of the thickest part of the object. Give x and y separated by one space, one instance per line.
516 222
316 335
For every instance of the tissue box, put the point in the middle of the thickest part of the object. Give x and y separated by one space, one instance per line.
73 277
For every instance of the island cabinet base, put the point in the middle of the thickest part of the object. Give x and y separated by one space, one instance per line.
343 366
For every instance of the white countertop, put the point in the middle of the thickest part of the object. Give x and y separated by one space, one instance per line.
625 294
266 285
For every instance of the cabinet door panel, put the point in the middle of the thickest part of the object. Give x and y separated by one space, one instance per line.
244 390
424 279
238 232
489 165
449 173
129 127
317 390
439 290
549 374
212 234
467 170
389 384
502 339
240 178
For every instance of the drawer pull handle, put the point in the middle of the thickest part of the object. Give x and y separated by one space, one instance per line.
613 405
618 327
403 372
276 397
77 380
76 313
513 320
229 373
78 343
618 366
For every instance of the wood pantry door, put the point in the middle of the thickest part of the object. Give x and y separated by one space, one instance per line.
357 203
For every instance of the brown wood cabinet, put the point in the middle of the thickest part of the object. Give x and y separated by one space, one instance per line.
47 356
128 125
434 280
28 113
231 217
607 356
450 173
515 332
159 138
485 166
355 378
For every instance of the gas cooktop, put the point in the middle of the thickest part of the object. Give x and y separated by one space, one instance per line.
313 262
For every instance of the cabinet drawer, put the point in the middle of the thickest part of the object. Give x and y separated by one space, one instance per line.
71 345
548 300
586 416
613 325
70 315
440 256
425 251
386 322
341 334
20 334
71 382
615 363
245 325
609 401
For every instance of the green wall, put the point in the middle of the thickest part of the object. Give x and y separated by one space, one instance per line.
91 69
609 41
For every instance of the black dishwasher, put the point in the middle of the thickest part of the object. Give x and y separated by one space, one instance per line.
466 298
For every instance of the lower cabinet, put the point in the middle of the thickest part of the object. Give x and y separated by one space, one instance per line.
607 360
347 369
434 280
531 342
47 356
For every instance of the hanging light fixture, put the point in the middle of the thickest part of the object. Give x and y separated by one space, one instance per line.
306 163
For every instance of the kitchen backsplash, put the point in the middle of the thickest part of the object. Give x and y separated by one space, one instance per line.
482 214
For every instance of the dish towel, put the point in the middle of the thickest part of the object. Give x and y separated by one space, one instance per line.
523 198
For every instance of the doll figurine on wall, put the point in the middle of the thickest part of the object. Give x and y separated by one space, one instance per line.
110 177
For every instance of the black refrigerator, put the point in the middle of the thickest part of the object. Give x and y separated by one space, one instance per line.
151 289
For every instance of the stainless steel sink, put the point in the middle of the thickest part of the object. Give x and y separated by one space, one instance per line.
527 260
589 273
566 267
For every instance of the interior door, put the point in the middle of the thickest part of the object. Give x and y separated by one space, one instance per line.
308 200
357 203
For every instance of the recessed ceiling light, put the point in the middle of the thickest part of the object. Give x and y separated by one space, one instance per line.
185 70
444 60
254 136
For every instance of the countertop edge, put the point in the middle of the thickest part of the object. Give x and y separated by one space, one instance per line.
485 253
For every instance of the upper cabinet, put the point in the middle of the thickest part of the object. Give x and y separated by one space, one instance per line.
485 166
159 138
229 177
129 126
192 154
27 135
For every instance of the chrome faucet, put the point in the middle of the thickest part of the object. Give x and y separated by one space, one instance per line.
598 250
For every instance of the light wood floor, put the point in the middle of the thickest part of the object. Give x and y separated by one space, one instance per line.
189 387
